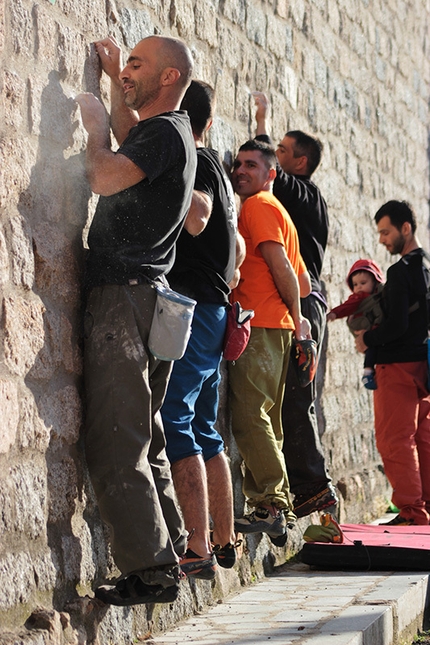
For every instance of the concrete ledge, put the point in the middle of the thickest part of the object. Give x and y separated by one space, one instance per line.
305 607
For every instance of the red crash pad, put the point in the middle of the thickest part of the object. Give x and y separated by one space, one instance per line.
369 546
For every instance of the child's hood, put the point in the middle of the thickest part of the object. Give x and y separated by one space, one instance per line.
365 265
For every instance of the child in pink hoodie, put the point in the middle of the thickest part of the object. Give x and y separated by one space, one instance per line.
363 308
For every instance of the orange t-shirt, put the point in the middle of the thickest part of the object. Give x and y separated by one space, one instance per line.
263 219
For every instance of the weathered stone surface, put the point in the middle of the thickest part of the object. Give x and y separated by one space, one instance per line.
21 29
206 22
24 333
22 253
56 263
28 489
256 24
13 99
62 414
10 414
182 17
235 10
355 74
16 579
17 158
2 25
4 260
62 486
135 24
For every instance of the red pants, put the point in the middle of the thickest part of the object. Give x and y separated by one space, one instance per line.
402 428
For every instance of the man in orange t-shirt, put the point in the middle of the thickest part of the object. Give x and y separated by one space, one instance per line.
273 278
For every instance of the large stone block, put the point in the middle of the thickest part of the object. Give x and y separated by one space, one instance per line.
24 334
21 33
182 17
298 12
256 24
16 579
62 485
282 8
90 16
135 25
206 21
10 414
17 157
4 260
13 99
29 492
45 571
72 54
2 25
276 36
235 11
222 138
47 30
21 252
56 263
230 48
62 414
289 86
32 433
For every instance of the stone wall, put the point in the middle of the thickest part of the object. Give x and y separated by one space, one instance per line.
354 72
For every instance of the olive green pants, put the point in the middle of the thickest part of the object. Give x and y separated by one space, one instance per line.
257 382
125 444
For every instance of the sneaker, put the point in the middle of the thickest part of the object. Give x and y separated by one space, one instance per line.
261 521
194 565
133 591
305 504
279 540
369 381
398 521
226 555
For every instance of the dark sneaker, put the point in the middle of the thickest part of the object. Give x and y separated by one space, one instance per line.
226 555
305 504
279 540
398 521
369 381
194 565
133 591
261 521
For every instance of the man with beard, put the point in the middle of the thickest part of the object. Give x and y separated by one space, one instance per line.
145 191
402 401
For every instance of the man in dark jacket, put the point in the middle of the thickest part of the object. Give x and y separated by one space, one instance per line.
402 401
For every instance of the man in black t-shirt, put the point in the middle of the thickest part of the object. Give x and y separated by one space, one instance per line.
145 191
204 267
298 157
401 400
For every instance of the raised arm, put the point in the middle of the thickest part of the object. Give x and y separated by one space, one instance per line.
108 173
122 118
262 103
286 283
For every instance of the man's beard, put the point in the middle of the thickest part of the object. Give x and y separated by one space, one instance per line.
142 95
398 245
